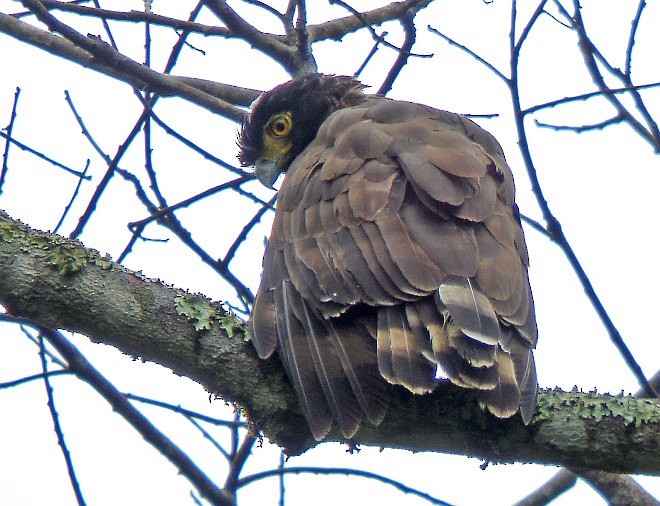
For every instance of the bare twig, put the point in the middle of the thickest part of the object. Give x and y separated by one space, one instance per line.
267 43
562 481
93 53
238 462
338 28
106 27
8 139
131 16
364 19
33 377
240 238
67 208
342 471
191 200
172 223
407 22
553 225
57 427
580 128
618 489
370 55
43 157
186 412
86 372
590 53
112 166
181 41
586 96
469 51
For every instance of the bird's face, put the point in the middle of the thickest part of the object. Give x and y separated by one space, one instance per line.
283 122
276 148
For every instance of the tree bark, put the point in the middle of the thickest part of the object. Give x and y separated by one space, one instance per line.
58 283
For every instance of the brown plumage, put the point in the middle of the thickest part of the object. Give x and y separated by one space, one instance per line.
396 248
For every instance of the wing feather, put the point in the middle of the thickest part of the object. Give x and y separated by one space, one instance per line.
299 364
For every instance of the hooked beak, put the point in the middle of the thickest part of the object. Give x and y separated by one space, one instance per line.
267 172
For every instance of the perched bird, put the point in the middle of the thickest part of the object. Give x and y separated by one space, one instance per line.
396 253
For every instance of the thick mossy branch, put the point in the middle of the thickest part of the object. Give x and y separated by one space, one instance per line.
58 283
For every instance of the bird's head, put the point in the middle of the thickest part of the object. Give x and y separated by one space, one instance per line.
284 120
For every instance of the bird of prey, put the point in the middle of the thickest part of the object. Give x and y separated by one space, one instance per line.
396 254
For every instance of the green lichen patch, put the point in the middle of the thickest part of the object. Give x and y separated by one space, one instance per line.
64 255
634 412
204 313
230 325
104 262
198 309
67 259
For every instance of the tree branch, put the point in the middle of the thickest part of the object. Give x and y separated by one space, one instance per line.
618 489
57 283
340 27
100 57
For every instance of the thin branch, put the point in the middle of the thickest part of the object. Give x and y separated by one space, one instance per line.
33 377
271 10
207 435
280 479
340 27
133 17
67 208
306 62
586 96
343 471
148 160
589 53
181 41
112 167
238 462
35 340
264 42
43 157
57 427
83 369
471 53
186 412
195 198
106 27
634 25
364 19
371 54
581 128
9 129
240 238
618 489
562 481
554 226
536 226
530 24
407 22
93 53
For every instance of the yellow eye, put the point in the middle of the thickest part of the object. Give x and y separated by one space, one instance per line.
280 125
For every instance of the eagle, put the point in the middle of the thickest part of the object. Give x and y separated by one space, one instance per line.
396 254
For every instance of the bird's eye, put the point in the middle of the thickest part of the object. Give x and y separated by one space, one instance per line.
280 125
